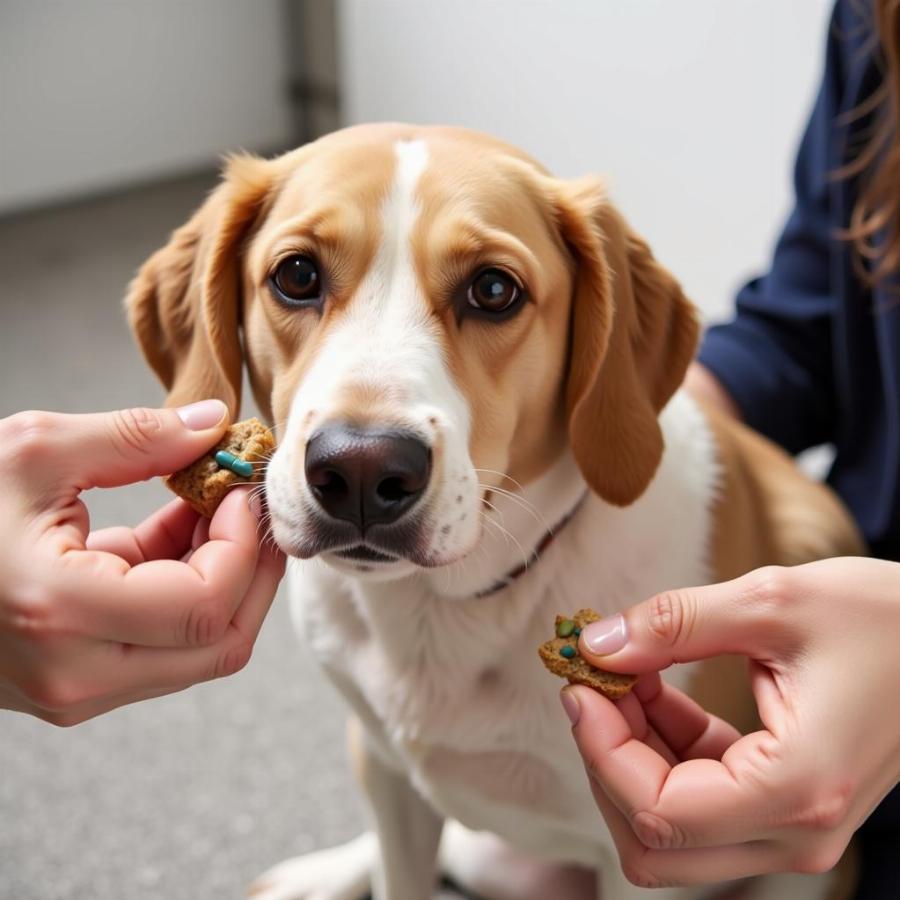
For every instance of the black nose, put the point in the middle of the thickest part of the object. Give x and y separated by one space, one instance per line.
366 477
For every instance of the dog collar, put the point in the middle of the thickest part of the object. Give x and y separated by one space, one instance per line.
535 555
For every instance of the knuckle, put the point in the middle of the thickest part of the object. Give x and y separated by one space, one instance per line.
232 660
668 616
204 623
27 434
826 808
134 429
56 696
656 833
634 871
773 588
819 859
32 613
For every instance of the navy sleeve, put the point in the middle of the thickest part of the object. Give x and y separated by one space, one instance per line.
774 357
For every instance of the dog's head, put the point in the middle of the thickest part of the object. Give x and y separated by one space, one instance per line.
428 316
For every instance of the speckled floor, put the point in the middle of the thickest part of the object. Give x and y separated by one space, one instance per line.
186 797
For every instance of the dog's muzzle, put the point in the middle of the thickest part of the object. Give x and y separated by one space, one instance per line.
367 482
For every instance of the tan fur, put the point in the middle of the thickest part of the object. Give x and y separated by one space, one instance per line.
183 304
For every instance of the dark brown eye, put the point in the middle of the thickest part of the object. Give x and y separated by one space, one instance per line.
493 291
296 280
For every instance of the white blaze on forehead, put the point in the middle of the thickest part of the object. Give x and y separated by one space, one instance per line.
387 338
386 345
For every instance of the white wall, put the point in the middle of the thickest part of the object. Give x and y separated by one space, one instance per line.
692 108
98 93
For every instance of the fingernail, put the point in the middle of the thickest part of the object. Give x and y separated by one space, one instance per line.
606 636
202 415
570 705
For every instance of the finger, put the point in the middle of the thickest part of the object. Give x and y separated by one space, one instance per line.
109 675
167 533
650 868
252 612
164 603
739 616
633 713
201 533
164 535
698 803
166 670
119 541
121 447
688 729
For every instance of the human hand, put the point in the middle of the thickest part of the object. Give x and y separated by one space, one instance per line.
687 799
92 621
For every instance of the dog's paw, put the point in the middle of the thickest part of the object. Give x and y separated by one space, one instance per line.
339 873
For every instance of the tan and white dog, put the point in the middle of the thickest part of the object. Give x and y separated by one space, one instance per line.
463 354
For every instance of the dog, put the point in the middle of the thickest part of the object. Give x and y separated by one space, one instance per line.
465 356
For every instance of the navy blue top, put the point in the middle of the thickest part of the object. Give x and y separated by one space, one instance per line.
813 355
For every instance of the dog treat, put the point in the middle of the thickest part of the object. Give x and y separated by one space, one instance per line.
238 458
560 655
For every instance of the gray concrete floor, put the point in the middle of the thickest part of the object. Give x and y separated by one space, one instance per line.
187 797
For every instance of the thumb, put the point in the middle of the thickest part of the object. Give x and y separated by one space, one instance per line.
682 626
121 447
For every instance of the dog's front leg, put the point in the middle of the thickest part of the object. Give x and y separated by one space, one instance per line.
408 828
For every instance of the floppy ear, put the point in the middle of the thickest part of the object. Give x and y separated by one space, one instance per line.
633 334
184 303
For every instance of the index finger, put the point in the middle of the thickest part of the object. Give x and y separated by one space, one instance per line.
697 803
165 603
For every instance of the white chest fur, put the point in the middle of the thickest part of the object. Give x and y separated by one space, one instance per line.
451 687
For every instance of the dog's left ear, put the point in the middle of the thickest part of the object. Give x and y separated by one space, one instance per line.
632 335
184 303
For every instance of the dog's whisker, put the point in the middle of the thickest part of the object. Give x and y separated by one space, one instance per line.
508 478
494 507
514 539
524 504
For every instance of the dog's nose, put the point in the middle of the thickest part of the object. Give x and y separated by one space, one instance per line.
364 476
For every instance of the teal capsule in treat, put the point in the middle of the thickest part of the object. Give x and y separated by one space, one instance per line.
229 461
568 651
565 628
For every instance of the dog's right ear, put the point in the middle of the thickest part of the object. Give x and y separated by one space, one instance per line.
184 303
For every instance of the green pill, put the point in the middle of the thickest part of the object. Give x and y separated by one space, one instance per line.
229 461
568 651
565 628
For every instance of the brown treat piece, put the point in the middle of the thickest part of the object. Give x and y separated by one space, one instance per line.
204 483
576 669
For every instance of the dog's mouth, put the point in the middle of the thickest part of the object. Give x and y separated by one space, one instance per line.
362 553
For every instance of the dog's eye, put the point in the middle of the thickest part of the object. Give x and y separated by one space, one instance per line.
297 279
493 291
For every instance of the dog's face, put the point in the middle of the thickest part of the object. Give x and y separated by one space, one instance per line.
428 317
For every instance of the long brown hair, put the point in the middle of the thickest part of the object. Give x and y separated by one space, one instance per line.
874 226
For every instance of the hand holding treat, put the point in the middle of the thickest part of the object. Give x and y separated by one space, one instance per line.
688 799
92 620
